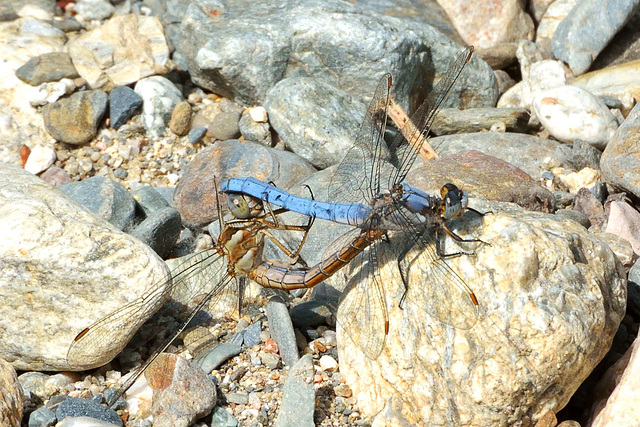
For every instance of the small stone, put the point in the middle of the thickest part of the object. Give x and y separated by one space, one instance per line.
237 398
270 346
180 122
75 407
48 67
258 114
217 356
252 334
160 230
195 135
222 418
75 119
254 131
56 176
123 102
343 390
224 126
40 159
94 10
120 173
282 330
328 363
159 96
270 360
42 417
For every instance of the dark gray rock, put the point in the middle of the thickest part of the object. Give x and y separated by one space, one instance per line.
253 131
577 216
7 12
221 418
310 39
252 334
225 126
160 230
217 356
104 197
149 199
76 407
75 119
587 29
633 290
310 313
42 417
48 67
585 155
195 135
316 120
68 24
298 397
123 102
282 330
624 47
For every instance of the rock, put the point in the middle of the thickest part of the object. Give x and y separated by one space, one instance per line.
270 360
504 81
538 8
620 159
123 102
586 203
487 26
237 398
258 114
182 392
624 47
298 396
451 120
302 41
83 422
122 51
217 356
68 24
578 44
49 67
42 385
94 10
224 126
310 313
11 396
75 268
251 335
624 221
251 130
619 81
48 93
316 121
328 363
483 175
282 330
160 230
570 113
500 56
222 418
553 15
502 360
159 98
149 199
585 155
195 194
104 197
196 135
75 119
40 159
55 176
39 28
75 407
42 416
180 122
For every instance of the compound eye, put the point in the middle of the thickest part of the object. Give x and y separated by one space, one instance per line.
244 207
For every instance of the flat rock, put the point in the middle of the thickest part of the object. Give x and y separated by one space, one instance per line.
11 396
486 176
159 98
570 113
123 102
195 196
282 330
76 407
74 269
75 119
182 392
619 161
620 81
451 120
298 397
122 51
578 44
49 67
299 39
502 370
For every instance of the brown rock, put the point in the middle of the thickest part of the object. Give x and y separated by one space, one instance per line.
180 122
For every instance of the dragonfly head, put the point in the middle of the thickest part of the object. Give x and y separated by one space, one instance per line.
454 202
243 206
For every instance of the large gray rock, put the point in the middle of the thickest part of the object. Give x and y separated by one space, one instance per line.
242 49
64 269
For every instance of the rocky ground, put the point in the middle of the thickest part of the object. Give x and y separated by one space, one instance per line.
115 117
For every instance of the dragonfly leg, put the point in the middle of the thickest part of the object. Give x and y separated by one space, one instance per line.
457 238
403 274
454 236
478 212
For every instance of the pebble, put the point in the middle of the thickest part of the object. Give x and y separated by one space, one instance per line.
328 363
123 102
217 356
225 126
104 197
270 360
586 203
251 130
56 176
42 417
40 159
258 114
252 334
180 122
222 418
282 330
68 24
94 10
39 28
159 98
75 407
237 398
624 221
570 113
75 119
196 135
298 397
160 230
48 67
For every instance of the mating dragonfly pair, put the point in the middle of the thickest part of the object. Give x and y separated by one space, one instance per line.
371 195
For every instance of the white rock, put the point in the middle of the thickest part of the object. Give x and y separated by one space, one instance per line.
50 92
94 9
258 114
35 12
40 159
328 363
585 178
555 13
159 97
570 113
542 75
35 27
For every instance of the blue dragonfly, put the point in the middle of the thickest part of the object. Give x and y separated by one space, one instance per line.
368 191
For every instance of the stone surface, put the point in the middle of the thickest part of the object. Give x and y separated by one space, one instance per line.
63 270
123 102
577 43
195 193
56 176
159 98
487 25
75 119
217 356
254 131
182 392
298 396
49 67
503 369
570 113
160 230
11 396
123 50
624 221
40 159
42 416
225 126
92 10
104 197
624 47
553 15
282 330
450 120
620 81
180 122
310 39
149 199
75 407
619 161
